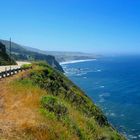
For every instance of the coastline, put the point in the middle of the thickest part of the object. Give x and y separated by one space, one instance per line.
76 61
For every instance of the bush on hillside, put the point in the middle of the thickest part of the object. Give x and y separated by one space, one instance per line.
53 105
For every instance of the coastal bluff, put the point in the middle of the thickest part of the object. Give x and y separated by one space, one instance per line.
43 104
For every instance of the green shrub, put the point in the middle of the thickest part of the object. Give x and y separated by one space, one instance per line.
53 105
26 66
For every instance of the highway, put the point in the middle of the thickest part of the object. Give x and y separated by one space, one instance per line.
19 64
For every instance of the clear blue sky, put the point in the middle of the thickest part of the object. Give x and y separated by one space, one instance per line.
96 26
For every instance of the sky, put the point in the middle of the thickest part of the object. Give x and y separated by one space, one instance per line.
94 26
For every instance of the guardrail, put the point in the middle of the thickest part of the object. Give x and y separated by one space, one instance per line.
10 72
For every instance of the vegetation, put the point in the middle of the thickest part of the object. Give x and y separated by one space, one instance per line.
4 57
52 108
26 66
52 104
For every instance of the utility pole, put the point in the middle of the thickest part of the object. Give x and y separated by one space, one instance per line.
10 47
10 54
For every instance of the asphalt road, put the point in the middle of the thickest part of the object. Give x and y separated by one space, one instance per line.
19 64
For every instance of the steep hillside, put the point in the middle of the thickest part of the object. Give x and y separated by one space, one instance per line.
62 56
44 105
4 57
21 54
59 55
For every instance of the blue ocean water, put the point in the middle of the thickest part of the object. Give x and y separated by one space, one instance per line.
114 85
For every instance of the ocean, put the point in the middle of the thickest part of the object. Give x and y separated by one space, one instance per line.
113 83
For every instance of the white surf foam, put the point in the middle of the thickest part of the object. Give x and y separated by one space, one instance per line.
76 61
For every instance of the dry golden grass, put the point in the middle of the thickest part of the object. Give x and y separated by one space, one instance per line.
19 107
19 114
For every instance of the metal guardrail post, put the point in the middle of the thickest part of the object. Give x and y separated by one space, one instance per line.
2 74
5 71
11 72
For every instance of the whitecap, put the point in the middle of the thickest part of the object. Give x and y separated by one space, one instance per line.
98 70
112 114
107 114
104 94
101 95
133 129
102 100
79 74
121 126
122 115
132 137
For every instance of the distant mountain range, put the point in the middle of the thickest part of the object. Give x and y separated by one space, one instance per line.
61 56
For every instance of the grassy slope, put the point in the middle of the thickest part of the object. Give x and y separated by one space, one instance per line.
43 104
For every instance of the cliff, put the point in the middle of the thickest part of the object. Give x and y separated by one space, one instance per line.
49 106
4 57
19 53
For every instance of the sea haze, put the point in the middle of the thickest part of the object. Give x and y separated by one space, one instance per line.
114 84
